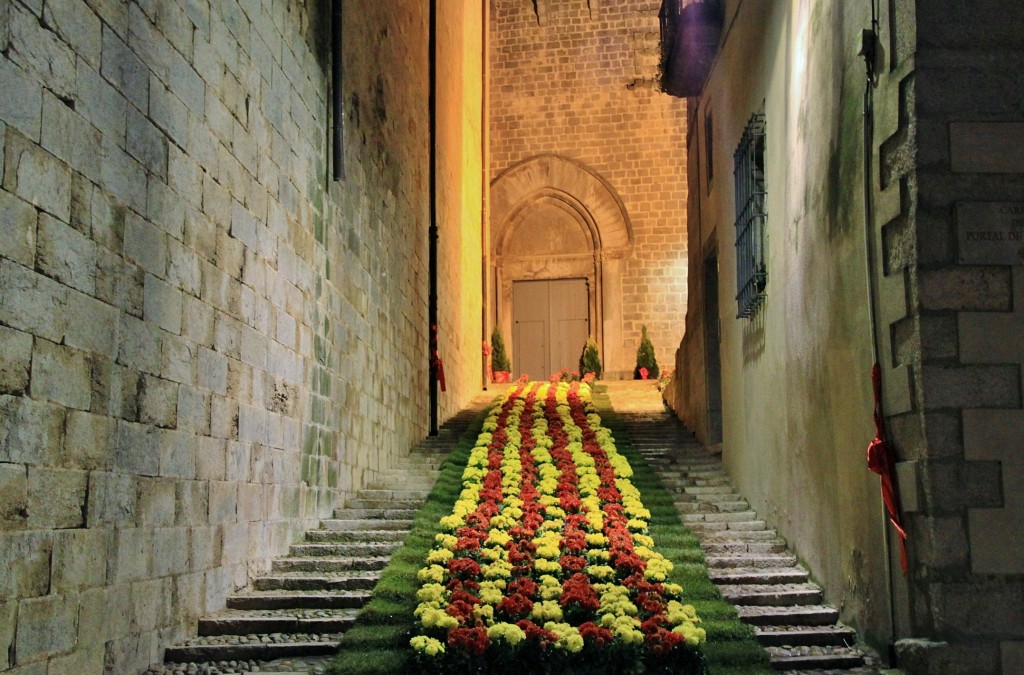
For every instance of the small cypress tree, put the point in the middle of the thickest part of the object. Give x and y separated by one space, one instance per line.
590 362
499 359
645 357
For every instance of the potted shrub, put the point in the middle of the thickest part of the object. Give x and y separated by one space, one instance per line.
646 363
590 361
499 359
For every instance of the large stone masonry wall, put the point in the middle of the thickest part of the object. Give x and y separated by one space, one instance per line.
204 342
962 337
579 79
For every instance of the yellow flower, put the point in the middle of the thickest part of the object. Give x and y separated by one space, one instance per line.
447 541
506 632
600 571
543 566
637 525
497 569
490 596
427 645
672 590
484 613
547 610
498 537
439 556
433 573
432 593
436 618
692 634
569 637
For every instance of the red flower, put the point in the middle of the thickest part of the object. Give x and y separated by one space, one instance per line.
662 641
514 607
572 563
465 568
594 634
535 632
472 640
524 585
460 609
577 591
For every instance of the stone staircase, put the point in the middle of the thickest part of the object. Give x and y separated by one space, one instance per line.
312 596
747 560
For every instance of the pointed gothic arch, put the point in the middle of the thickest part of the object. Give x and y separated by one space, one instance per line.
555 218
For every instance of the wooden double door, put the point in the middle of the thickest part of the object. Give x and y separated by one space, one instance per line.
550 325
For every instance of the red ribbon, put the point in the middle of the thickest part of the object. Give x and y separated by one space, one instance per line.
880 461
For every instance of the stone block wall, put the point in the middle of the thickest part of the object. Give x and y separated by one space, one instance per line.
965 469
204 341
579 79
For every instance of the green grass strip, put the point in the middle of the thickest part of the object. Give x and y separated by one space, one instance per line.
731 647
378 643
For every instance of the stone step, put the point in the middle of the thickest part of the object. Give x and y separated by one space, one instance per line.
700 506
374 514
330 564
298 599
815 658
372 524
837 635
750 561
718 528
752 575
355 536
720 517
716 537
709 490
799 615
774 595
317 581
345 549
723 548
386 504
248 622
252 651
393 494
391 484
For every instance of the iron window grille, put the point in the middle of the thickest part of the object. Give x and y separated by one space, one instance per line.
751 218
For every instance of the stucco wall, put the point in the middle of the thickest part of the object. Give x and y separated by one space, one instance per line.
795 378
579 80
204 341
460 200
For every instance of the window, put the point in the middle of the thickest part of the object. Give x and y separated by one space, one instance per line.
751 217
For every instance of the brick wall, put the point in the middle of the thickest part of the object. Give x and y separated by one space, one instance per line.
579 79
203 341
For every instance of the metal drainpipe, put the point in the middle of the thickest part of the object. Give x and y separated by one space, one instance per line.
337 98
869 50
432 236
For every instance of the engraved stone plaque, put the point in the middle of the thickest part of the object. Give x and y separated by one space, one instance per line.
990 233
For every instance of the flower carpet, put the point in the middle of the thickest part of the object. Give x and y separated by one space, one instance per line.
545 563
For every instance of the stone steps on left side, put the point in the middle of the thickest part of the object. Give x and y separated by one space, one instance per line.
302 607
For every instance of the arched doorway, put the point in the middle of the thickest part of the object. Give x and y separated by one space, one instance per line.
560 234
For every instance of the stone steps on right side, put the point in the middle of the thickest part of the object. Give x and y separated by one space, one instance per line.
746 559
